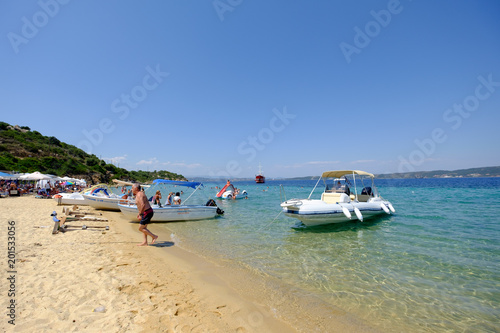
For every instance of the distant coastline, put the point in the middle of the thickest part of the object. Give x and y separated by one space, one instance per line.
461 173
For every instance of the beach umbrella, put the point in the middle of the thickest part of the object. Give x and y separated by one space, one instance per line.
35 176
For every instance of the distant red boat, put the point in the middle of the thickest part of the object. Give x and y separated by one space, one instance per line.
260 179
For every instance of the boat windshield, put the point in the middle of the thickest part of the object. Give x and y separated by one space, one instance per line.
353 185
336 185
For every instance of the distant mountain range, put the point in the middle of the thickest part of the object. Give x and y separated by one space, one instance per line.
24 150
461 173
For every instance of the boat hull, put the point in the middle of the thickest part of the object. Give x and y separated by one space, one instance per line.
102 203
70 199
316 212
173 212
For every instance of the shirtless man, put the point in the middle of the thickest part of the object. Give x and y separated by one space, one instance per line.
145 214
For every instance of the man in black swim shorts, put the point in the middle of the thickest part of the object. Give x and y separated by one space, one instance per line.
145 214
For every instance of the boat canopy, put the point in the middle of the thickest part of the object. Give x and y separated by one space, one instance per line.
340 173
177 182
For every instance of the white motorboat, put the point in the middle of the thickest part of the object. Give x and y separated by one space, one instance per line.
70 199
172 212
102 198
340 200
230 192
74 198
183 212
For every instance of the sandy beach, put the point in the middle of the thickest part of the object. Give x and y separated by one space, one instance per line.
98 280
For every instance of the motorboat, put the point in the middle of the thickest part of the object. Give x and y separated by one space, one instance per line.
70 199
230 192
182 212
101 197
74 198
259 178
340 201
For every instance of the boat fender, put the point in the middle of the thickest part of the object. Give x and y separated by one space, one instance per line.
384 207
346 212
391 208
358 214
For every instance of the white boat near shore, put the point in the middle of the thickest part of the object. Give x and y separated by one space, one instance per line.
172 212
340 201
75 198
183 212
70 199
101 198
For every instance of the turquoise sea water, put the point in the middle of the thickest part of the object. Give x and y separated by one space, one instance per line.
434 266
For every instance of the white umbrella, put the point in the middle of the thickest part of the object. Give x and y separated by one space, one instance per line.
35 176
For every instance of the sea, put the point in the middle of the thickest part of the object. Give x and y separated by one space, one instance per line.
433 266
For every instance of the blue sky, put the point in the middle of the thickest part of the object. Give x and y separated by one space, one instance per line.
213 88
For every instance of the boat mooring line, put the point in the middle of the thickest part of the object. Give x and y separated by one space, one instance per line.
271 221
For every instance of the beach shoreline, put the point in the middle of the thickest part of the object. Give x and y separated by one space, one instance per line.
98 280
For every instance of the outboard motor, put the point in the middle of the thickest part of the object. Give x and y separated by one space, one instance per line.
366 190
211 202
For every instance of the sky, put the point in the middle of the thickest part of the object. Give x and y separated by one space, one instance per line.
219 87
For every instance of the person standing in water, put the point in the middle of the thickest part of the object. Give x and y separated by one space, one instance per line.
145 214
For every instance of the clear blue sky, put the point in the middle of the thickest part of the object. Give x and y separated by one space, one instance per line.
206 88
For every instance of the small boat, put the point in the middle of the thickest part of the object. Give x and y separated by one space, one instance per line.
340 201
183 212
259 178
74 198
102 198
69 199
230 192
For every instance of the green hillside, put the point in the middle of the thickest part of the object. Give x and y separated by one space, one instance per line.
24 150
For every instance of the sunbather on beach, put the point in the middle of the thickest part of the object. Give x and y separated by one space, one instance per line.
145 214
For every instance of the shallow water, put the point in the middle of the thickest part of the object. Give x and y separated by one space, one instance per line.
431 267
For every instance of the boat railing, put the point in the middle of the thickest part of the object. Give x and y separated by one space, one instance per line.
282 193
